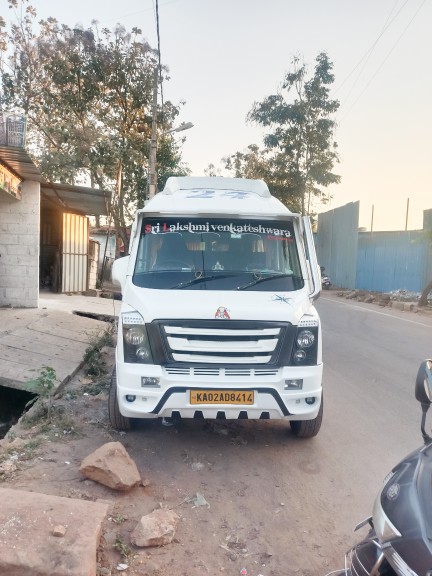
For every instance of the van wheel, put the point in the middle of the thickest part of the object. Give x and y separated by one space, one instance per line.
117 420
308 428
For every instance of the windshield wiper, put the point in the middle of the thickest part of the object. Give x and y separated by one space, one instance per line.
265 278
199 280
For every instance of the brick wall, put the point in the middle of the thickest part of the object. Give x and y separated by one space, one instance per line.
19 248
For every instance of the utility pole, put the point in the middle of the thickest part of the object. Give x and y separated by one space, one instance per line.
406 216
152 175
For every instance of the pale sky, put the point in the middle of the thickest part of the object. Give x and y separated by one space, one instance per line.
224 55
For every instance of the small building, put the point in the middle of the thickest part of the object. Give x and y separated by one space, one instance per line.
44 232
106 238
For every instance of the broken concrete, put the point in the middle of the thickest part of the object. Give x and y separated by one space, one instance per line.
29 538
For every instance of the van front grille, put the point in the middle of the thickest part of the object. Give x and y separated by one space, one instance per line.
239 343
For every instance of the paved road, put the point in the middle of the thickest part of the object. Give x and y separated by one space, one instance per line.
371 357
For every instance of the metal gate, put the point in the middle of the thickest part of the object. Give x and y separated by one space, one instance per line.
74 253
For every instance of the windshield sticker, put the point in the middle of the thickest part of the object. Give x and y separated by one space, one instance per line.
281 299
238 194
195 228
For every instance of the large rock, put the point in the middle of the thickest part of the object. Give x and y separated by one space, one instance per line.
155 529
111 466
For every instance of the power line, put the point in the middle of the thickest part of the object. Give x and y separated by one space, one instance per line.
368 53
137 12
386 57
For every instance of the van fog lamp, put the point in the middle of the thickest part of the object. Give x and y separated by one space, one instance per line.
135 335
296 384
150 382
299 356
130 398
143 353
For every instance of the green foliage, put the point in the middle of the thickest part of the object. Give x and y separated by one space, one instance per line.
299 151
93 357
267 166
122 548
43 386
87 94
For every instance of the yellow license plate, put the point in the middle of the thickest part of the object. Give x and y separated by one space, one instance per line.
222 397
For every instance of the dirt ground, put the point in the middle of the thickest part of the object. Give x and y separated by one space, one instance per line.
238 487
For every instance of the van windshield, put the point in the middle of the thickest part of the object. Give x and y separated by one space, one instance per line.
217 254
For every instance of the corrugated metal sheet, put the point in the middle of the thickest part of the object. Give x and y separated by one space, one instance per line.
74 253
20 162
392 261
383 261
337 242
80 199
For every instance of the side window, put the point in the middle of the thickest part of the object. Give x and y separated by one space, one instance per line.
147 252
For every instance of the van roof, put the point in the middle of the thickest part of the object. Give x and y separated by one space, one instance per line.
176 184
198 196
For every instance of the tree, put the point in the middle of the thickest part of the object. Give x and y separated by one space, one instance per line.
424 296
268 166
87 95
299 152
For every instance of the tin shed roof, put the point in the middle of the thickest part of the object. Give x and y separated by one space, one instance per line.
88 201
20 162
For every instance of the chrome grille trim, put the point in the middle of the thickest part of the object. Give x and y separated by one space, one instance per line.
220 372
241 342
186 330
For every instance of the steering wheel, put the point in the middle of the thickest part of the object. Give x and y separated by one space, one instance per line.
173 264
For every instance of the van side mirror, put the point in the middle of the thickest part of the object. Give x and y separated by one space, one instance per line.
423 384
119 269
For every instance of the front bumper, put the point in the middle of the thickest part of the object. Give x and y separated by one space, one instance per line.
171 394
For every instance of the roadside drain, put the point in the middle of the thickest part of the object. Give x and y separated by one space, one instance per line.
12 406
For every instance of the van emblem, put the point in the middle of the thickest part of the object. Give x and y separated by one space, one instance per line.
222 313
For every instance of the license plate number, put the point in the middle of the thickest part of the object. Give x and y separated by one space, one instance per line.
245 397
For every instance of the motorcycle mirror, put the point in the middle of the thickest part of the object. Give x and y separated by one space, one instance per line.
423 384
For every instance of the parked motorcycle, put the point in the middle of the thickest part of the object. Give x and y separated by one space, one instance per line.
399 541
325 280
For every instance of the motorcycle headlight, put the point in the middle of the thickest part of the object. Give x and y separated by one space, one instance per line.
384 528
135 339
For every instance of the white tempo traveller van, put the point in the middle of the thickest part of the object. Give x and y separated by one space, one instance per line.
217 317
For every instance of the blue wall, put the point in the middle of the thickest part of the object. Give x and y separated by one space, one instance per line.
376 261
389 261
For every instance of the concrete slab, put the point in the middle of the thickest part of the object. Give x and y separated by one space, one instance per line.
55 335
27 541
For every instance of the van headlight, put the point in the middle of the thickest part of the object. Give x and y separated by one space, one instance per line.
136 343
305 346
305 339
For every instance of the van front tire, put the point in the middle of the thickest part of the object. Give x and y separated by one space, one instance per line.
117 420
308 428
